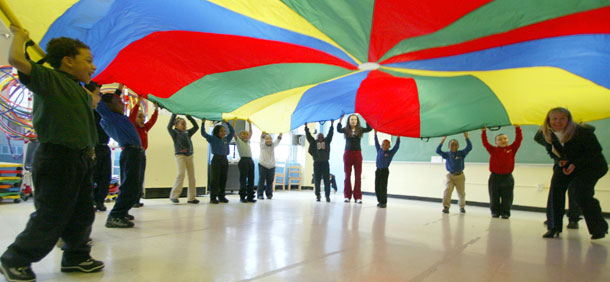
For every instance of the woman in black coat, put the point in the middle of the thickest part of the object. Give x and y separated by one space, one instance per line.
579 162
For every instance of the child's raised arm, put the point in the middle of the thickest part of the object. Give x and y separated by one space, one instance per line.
153 118
16 54
195 127
397 145
377 147
308 135
249 129
329 135
231 132
204 132
277 140
518 137
134 111
486 144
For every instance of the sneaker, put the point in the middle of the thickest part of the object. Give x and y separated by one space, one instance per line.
383 206
495 215
117 222
90 242
23 273
445 209
129 217
100 206
573 225
138 205
175 201
505 216
328 199
223 200
88 266
251 200
243 200
317 199
261 198
213 201
195 201
462 210
346 200
269 197
358 201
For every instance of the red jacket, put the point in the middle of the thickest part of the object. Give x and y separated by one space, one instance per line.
143 131
502 160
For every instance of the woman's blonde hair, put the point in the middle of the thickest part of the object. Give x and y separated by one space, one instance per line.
569 131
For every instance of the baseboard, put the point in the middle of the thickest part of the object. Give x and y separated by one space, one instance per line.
470 203
163 192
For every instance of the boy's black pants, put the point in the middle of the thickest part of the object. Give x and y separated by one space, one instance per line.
246 178
501 187
321 171
381 185
64 207
102 172
132 159
218 175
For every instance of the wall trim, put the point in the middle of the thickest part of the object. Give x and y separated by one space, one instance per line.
470 203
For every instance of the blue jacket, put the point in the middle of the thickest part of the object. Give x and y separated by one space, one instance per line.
455 161
219 146
385 157
118 126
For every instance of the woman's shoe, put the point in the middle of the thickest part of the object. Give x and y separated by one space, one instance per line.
551 234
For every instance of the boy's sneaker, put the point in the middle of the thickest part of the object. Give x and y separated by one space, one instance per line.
346 200
88 266
223 200
328 199
358 201
445 209
261 198
213 201
118 222
138 205
23 273
495 215
175 201
129 217
243 200
383 206
195 201
504 216
462 210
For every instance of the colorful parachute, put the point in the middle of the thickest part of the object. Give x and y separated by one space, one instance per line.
409 67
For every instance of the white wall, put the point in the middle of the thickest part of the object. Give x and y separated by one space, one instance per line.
425 179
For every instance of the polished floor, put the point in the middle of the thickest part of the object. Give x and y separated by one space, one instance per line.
294 238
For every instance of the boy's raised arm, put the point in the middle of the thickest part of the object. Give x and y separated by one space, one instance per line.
16 54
